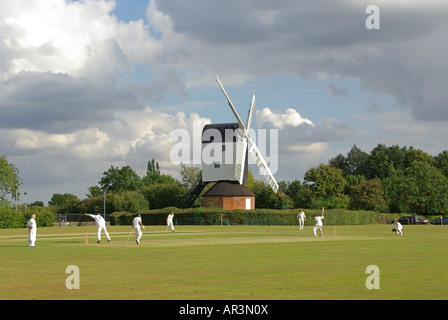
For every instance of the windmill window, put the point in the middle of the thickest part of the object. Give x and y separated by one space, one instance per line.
217 165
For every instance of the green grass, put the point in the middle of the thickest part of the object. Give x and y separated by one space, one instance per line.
227 262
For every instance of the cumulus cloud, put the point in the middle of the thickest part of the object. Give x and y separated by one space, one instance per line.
74 83
289 118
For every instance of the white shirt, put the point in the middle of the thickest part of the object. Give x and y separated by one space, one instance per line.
397 225
318 220
32 224
301 215
136 222
170 218
99 220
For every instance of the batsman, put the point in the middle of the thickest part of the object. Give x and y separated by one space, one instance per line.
137 226
319 224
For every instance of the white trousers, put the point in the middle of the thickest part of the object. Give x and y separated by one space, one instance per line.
99 228
169 224
301 223
138 234
315 228
32 239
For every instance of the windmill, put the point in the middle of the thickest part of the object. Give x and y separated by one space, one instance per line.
242 146
229 192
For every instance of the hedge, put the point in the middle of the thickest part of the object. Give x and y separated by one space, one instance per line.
10 218
217 216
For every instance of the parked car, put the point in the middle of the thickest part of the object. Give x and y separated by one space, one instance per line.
412 220
443 221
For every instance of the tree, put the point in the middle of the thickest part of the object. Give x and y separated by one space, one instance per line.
327 186
65 203
153 167
340 162
325 181
94 191
441 162
120 180
37 204
378 164
392 191
154 176
129 201
189 174
424 189
266 198
356 161
368 195
299 193
418 155
164 195
250 180
9 179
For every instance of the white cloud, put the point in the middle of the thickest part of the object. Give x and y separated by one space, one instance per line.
81 39
279 120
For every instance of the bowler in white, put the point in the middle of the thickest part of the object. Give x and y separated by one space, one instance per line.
100 225
32 231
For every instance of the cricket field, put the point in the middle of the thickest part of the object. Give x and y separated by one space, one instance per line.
367 262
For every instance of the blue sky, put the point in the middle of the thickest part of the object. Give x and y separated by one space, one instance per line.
94 83
130 10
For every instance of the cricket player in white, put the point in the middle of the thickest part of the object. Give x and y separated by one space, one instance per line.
137 225
302 218
32 230
169 221
318 225
398 227
100 224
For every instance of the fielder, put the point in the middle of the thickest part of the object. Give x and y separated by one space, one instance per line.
100 224
318 225
302 219
169 222
32 231
398 228
137 225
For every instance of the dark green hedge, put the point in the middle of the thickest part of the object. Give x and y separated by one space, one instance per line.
217 216
10 218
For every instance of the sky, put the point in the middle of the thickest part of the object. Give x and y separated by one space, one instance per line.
93 83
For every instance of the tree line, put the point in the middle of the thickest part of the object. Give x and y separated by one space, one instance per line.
387 179
390 179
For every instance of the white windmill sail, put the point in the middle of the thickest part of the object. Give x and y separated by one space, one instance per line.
241 148
242 145
243 138
251 112
264 169
240 123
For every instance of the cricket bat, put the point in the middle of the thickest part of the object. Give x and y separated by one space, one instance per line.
127 239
